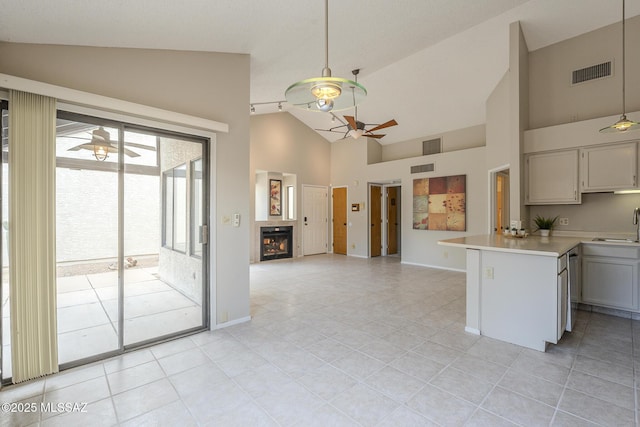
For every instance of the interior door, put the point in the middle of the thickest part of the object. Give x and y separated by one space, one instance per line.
339 197
392 220
375 201
314 235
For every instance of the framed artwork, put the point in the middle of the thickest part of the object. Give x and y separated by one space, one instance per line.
440 203
276 197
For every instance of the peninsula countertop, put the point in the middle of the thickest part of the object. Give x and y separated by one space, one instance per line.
532 245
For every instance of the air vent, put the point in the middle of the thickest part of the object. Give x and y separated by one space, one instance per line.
432 146
429 167
591 73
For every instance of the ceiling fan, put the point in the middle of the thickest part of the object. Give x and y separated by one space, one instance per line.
356 128
101 145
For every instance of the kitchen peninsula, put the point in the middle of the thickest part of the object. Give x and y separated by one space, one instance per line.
518 288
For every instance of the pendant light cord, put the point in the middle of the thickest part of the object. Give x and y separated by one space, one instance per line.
326 34
624 109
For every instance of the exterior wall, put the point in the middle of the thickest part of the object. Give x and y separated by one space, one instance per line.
283 145
203 84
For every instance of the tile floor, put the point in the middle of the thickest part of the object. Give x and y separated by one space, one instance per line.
88 313
341 341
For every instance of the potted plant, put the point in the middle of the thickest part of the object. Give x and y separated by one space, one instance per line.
544 224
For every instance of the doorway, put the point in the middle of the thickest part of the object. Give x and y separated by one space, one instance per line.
500 200
375 218
393 220
315 210
339 215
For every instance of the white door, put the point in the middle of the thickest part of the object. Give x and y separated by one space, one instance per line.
314 230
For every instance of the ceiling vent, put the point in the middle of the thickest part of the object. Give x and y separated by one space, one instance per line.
432 146
593 72
429 167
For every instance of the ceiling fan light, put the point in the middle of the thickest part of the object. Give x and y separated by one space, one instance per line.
100 152
356 133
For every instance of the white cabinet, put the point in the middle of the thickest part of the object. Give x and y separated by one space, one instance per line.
563 301
552 178
610 276
609 167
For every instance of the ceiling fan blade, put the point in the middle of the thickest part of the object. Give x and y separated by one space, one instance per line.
142 146
378 136
81 147
390 123
351 121
131 153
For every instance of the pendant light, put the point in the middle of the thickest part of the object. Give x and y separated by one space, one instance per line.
623 124
325 93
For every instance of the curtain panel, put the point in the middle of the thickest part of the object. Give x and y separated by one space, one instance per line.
32 258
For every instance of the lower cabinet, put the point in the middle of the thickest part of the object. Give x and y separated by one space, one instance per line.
610 281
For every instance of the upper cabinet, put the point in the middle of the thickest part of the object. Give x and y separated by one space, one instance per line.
609 167
552 178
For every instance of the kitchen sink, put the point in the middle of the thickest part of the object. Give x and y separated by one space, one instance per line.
613 239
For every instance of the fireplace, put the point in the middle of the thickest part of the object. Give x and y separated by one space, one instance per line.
276 243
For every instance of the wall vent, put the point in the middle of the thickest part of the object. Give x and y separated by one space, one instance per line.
593 72
429 167
432 146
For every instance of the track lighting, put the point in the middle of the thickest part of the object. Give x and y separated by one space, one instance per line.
253 105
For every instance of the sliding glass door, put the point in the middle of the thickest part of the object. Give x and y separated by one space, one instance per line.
128 273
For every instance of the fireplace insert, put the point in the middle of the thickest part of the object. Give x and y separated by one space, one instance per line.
276 243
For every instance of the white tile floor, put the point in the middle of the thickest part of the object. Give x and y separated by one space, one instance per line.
340 341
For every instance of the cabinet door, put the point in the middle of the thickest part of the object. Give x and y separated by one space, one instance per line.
611 282
610 167
552 178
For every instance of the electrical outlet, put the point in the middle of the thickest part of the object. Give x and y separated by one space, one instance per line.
488 273
563 221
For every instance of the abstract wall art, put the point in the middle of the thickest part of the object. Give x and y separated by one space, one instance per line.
440 203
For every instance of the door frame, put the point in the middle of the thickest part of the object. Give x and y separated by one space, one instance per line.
303 216
346 187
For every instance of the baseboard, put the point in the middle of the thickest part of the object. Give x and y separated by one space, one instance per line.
358 256
439 267
232 323
472 330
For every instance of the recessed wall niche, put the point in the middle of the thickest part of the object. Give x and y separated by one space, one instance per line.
275 196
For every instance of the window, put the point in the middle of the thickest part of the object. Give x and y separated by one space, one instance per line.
174 184
196 208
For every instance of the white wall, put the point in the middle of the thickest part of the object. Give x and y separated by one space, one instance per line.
349 168
209 85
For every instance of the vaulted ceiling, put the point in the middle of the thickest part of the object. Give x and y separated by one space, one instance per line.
430 64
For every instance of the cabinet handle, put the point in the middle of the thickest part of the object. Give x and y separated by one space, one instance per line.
575 194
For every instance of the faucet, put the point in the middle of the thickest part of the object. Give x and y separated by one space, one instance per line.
636 214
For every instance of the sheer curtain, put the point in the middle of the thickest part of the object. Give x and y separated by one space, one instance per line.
32 258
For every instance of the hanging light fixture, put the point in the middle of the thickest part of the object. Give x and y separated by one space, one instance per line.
101 144
623 124
325 93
